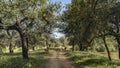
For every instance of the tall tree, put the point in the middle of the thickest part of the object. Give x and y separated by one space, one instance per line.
25 12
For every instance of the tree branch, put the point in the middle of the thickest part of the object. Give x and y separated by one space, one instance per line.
25 18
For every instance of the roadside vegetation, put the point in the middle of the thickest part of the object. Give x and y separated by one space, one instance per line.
92 60
90 28
37 59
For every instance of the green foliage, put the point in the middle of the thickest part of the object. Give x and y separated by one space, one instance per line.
39 23
98 44
86 20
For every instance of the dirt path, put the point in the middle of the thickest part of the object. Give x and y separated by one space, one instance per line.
58 60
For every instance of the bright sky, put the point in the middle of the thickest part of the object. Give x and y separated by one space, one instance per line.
63 2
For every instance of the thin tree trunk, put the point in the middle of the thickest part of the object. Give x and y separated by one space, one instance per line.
119 51
107 49
118 41
80 47
10 48
47 45
118 32
73 45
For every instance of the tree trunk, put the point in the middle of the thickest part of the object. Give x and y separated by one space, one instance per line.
23 37
119 51
24 45
24 40
22 34
107 49
117 18
80 47
10 48
73 45
47 45
118 41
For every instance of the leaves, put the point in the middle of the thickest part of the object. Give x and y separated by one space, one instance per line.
86 19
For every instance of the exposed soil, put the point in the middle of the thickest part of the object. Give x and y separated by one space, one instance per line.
58 60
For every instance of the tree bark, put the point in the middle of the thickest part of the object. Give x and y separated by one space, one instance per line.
23 37
10 48
81 47
73 45
118 33
107 49
118 41
22 34
24 46
47 45
119 51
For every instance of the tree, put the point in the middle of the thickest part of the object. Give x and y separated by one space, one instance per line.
85 20
23 11
115 24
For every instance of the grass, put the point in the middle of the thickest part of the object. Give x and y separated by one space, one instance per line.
37 59
92 60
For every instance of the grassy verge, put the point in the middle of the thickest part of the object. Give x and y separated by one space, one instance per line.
37 59
91 60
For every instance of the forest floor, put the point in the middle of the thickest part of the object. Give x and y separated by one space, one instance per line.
93 60
58 60
37 59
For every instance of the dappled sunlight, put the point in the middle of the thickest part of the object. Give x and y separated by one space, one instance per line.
59 33
36 60
58 60
85 60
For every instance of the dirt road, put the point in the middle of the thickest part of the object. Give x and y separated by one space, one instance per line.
58 60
